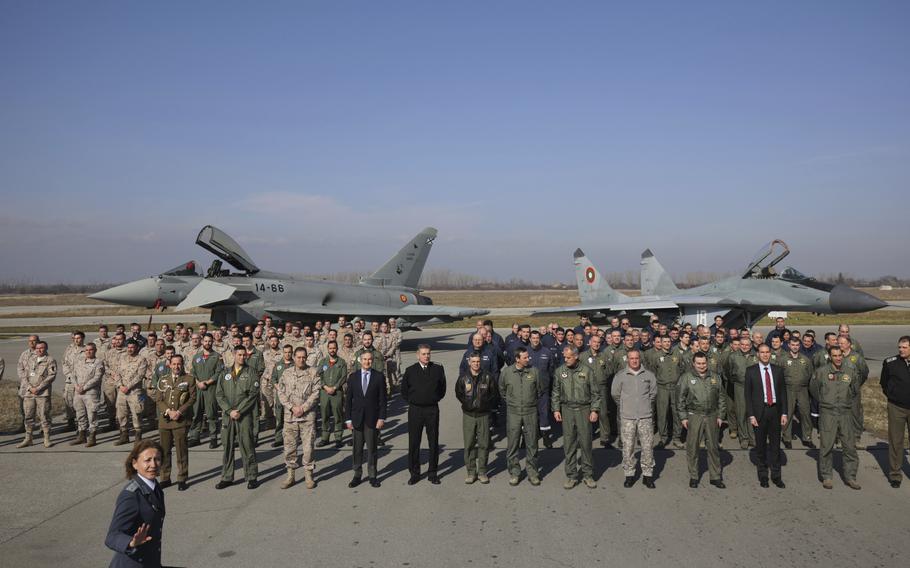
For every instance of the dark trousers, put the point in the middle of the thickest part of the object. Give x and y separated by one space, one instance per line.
420 417
767 442
365 435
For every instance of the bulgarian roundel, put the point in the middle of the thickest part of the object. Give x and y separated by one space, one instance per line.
589 275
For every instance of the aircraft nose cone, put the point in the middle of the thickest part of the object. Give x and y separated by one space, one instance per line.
846 300
142 293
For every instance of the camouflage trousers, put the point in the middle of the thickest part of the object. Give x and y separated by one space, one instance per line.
300 433
69 391
86 406
129 405
40 406
643 428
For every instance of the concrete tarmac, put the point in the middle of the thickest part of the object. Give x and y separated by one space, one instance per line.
56 503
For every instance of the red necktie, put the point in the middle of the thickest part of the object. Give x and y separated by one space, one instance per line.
768 394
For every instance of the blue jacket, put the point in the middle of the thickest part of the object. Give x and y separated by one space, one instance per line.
136 504
490 361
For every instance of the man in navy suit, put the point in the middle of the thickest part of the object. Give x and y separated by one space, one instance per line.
766 407
366 413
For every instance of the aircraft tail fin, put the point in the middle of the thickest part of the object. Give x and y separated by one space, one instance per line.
404 269
655 280
592 286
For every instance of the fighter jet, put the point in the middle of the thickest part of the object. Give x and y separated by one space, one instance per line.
250 294
740 300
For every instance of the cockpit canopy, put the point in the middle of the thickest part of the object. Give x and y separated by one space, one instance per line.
220 244
762 265
185 269
793 275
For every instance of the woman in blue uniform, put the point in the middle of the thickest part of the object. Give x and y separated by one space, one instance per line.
135 532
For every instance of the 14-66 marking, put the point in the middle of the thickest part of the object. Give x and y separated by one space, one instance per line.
277 288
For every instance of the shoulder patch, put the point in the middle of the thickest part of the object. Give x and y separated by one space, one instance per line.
132 486
890 359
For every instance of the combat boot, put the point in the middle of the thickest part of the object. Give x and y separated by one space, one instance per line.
70 425
547 439
308 478
26 442
80 439
213 441
289 480
138 434
123 439
47 439
91 440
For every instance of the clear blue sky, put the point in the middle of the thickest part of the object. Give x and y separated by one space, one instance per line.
322 135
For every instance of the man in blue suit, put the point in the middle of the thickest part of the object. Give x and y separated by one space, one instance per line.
366 414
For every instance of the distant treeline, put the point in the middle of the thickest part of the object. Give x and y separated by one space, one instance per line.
443 279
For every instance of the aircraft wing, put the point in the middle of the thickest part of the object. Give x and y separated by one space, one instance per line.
412 311
646 306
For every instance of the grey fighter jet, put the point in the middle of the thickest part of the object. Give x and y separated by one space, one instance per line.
251 293
741 300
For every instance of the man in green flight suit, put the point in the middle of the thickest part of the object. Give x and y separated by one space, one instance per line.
205 368
237 394
334 373
835 387
798 371
576 404
735 372
701 407
521 387
287 360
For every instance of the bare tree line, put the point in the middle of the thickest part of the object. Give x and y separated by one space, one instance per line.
445 279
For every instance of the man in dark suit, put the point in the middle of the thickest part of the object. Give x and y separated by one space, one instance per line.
366 404
422 387
766 407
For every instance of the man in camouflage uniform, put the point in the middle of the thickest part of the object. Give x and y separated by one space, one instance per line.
298 390
73 352
111 360
635 389
576 404
347 351
835 386
521 388
128 375
87 372
333 373
735 372
35 391
701 408
798 371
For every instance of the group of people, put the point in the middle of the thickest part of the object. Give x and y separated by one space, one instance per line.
649 387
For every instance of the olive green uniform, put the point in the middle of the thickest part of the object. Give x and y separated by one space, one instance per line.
862 373
207 369
735 373
576 395
175 393
278 408
520 389
601 365
701 402
238 390
334 373
256 363
798 373
836 390
667 367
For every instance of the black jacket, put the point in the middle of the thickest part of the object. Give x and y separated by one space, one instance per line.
482 397
755 390
136 504
423 387
895 381
366 408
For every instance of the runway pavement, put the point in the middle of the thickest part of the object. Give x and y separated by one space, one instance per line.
56 503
